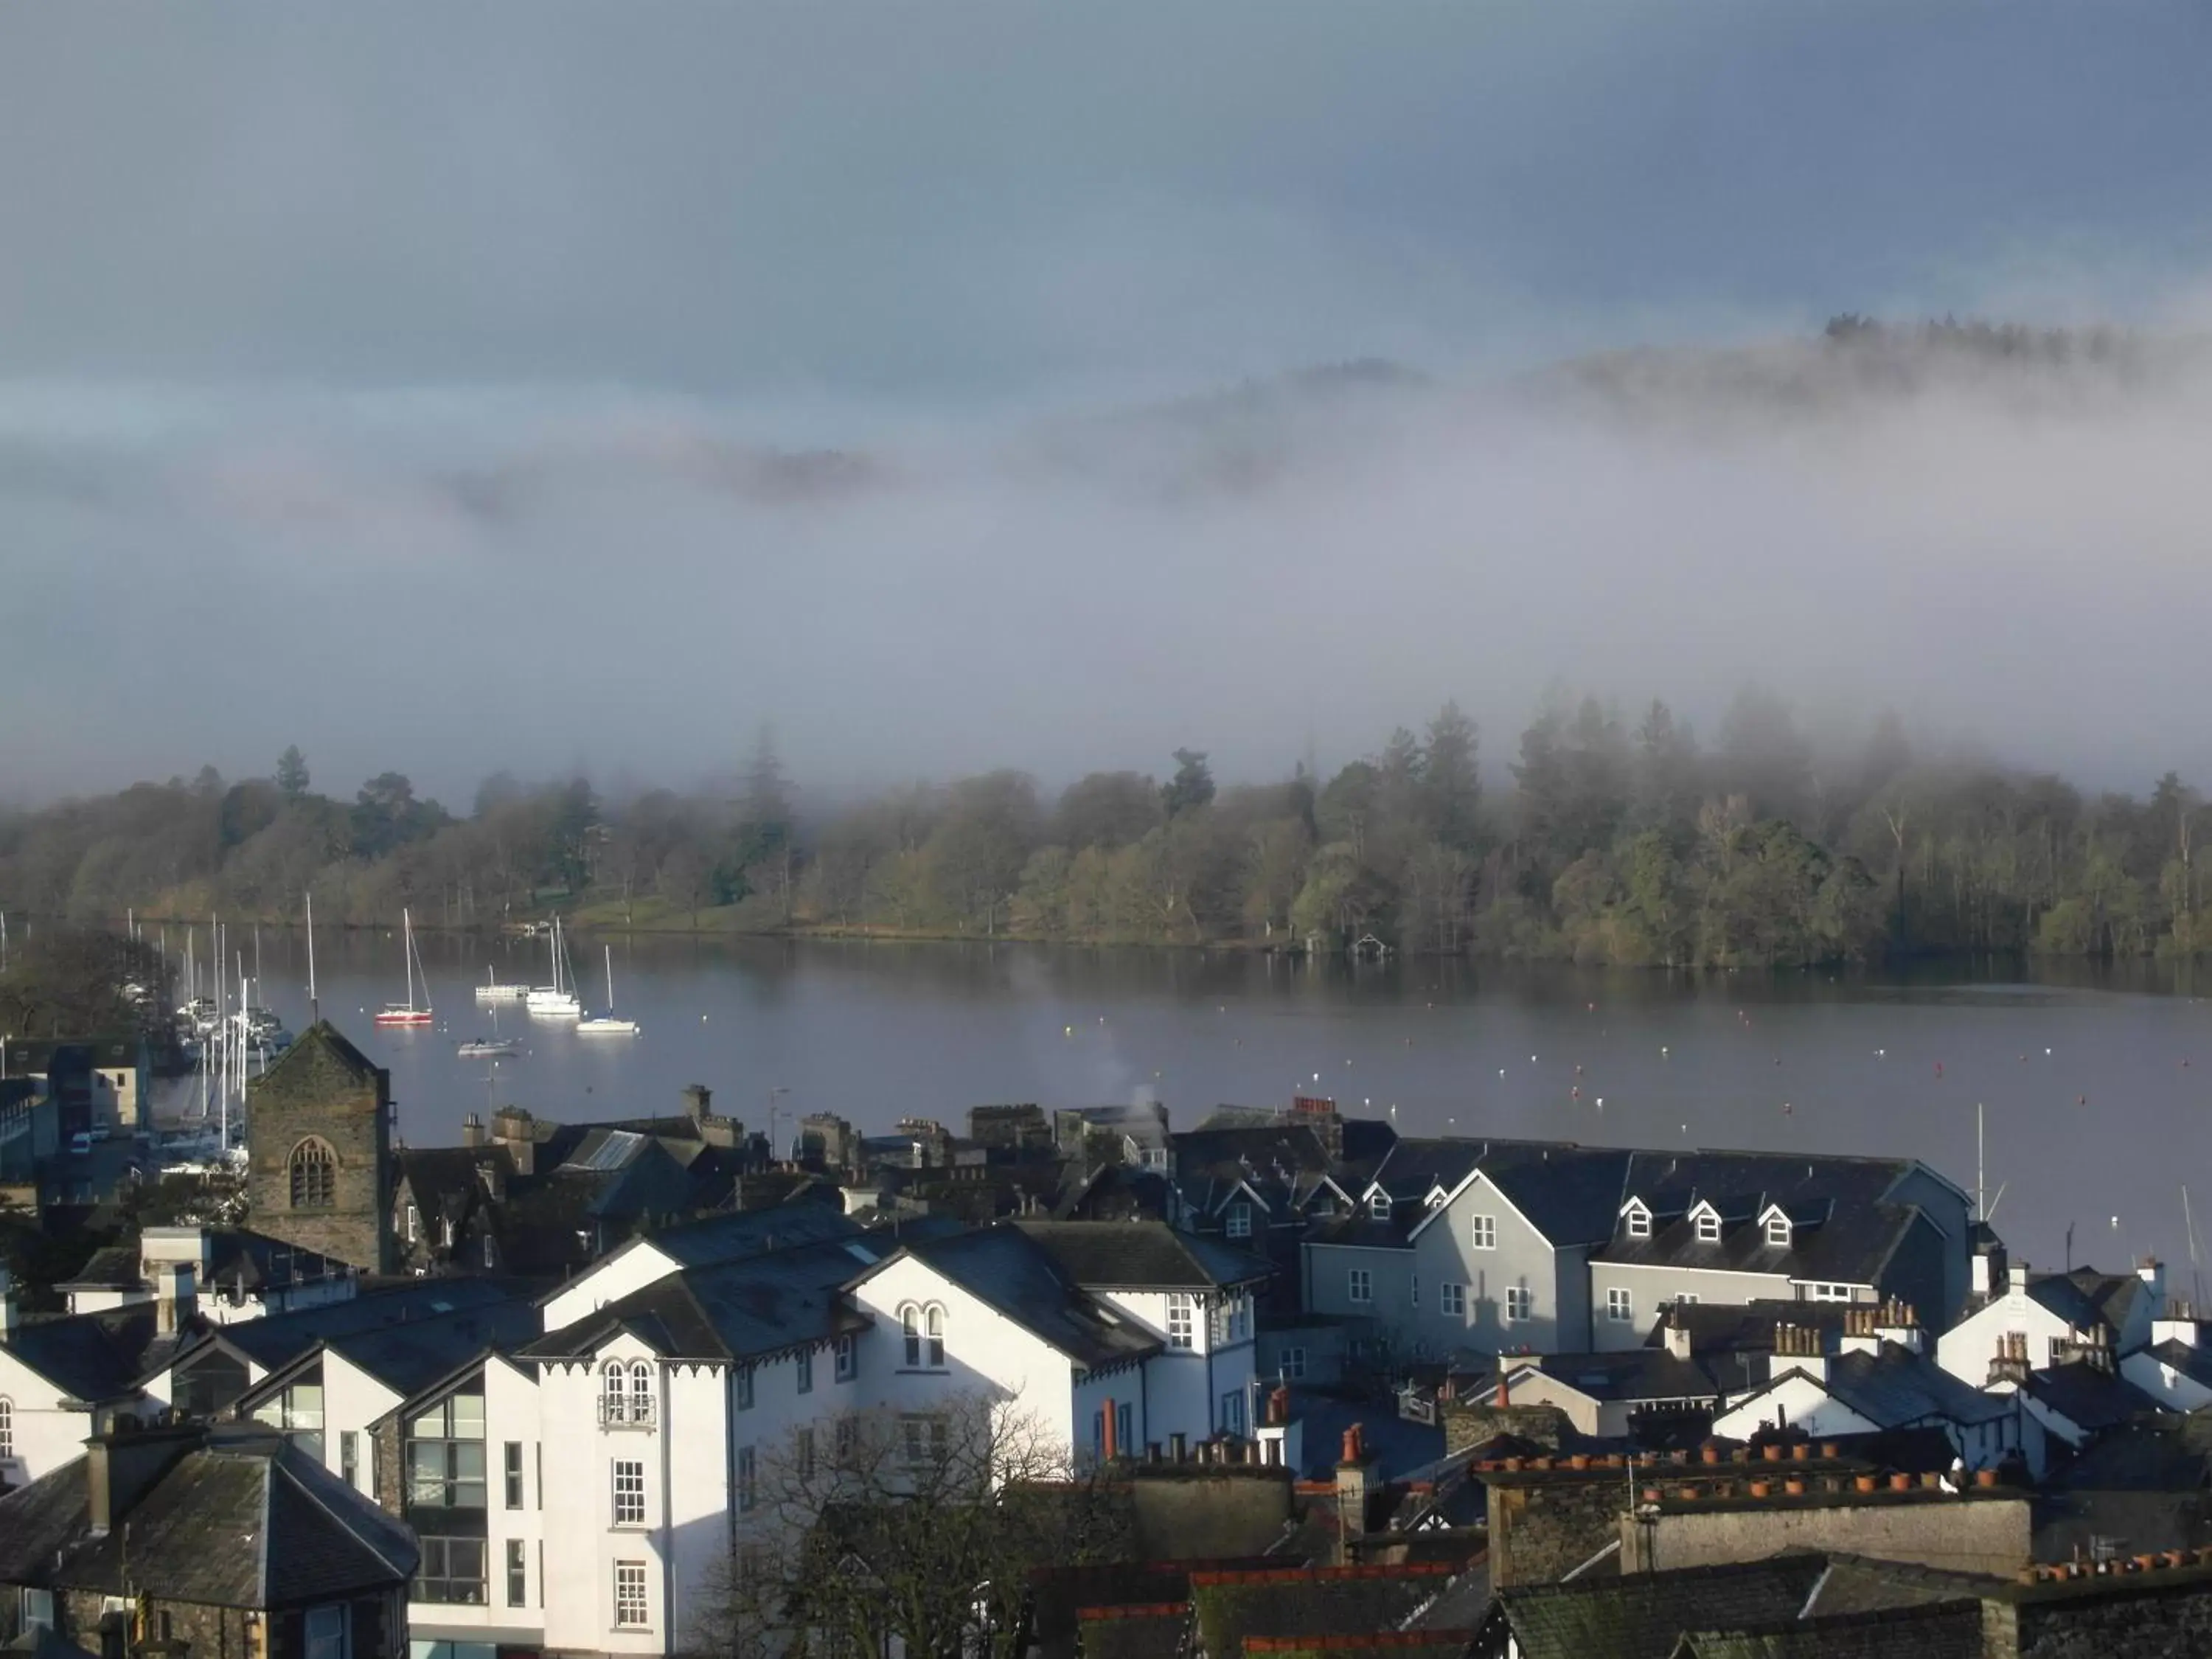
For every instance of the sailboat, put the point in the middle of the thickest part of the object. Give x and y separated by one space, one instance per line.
607 1024
557 1000
493 991
406 1013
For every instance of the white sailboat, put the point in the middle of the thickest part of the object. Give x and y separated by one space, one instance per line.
406 1013
608 1024
557 1000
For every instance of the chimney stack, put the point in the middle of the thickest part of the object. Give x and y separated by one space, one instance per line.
174 1299
472 1131
698 1102
1677 1336
1355 1484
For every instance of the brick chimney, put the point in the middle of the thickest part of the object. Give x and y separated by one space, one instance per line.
698 1102
1356 1485
1677 1336
472 1131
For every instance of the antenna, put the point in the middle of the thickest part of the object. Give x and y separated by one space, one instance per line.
2195 1276
1981 1213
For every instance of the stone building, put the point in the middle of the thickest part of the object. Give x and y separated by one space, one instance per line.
320 1141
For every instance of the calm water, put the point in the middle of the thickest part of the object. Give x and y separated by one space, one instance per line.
2096 1087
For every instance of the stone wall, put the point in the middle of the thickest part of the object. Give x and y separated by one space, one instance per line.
2168 1619
1470 1425
1541 1530
1976 1534
1181 1514
323 1087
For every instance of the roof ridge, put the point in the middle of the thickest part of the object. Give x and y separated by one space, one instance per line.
281 1461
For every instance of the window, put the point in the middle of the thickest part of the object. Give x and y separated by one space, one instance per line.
452 1572
629 1494
326 1633
803 1453
1777 1230
297 1409
1686 1299
641 1392
518 1574
1125 1428
1378 1205
1708 1227
1455 1301
445 1459
744 1387
414 1223
349 1457
1232 1412
1291 1365
924 1330
1180 1322
629 1594
490 1253
1484 1232
923 1439
1619 1305
803 1365
37 1608
1639 1222
1239 1221
746 1482
848 1440
513 1469
1414 1291
1518 1303
614 1397
848 1359
314 1175
1358 1285
1828 1292
6 1428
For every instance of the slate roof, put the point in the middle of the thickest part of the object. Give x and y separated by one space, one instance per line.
2192 1362
1141 1255
734 1309
238 1259
2086 1297
1282 1162
1941 1630
407 1358
280 1339
2168 1452
1416 1165
320 1048
1642 1615
751 1233
1718 1328
1007 1269
243 1521
1848 1232
1895 1386
1632 1374
97 1356
2087 1395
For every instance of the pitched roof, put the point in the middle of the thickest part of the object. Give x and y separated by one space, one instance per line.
1642 1615
1282 1162
408 1357
96 1356
2088 1396
1938 1630
1847 1228
2168 1452
1894 1386
319 1051
2086 1297
1007 1269
279 1339
246 1520
1646 1373
1141 1255
731 1310
751 1233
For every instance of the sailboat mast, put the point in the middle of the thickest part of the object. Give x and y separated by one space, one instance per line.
610 979
314 1009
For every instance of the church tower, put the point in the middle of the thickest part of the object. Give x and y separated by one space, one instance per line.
318 1144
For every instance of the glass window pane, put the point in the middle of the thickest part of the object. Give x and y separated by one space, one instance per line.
468 1416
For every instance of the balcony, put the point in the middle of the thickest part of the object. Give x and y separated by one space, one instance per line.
626 1410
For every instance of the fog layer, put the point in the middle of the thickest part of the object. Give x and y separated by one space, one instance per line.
544 387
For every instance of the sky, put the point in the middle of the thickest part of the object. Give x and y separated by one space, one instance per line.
422 384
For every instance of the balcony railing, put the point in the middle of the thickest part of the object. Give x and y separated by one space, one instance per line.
626 1410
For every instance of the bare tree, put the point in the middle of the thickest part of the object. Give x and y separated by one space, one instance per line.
921 1526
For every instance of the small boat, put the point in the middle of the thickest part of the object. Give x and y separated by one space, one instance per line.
607 1024
406 1013
556 1000
493 991
490 1048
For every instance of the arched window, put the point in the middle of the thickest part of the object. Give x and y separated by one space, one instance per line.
7 1427
614 1394
641 1392
910 1327
932 1336
314 1175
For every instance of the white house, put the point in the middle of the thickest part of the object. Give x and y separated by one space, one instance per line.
2042 1318
237 1275
62 1380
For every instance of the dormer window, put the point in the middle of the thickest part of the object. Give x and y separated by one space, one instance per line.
1708 1227
1637 1224
1378 1205
1239 1221
1777 1230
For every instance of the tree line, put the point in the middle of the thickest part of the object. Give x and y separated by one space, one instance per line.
1609 836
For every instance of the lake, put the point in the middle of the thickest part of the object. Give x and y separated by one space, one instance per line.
2096 1086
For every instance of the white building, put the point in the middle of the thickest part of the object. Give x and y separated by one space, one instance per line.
2041 1318
237 1275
